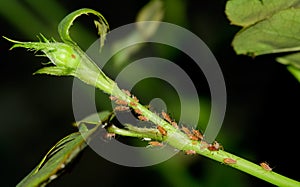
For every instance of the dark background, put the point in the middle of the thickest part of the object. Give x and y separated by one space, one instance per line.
36 111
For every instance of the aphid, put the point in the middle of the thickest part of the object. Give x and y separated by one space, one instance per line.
143 118
110 135
73 56
192 137
229 161
120 102
126 92
138 111
132 103
166 117
186 130
135 99
189 134
162 130
215 146
265 166
204 145
198 134
190 152
113 98
121 108
174 124
155 144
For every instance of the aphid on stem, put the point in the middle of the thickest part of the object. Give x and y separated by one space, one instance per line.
155 144
204 145
120 102
198 134
229 161
192 137
143 118
189 134
132 103
190 152
121 108
113 98
126 92
174 124
138 111
135 99
166 117
186 130
162 130
215 146
265 166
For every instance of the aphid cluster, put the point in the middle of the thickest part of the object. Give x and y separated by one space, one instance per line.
168 119
122 105
193 135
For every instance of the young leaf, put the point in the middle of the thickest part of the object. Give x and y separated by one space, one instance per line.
65 25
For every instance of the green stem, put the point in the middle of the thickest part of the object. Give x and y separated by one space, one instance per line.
241 164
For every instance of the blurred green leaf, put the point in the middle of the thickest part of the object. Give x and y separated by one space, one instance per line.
292 59
279 33
269 27
153 11
295 72
248 12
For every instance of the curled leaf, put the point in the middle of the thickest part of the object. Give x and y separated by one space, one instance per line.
65 25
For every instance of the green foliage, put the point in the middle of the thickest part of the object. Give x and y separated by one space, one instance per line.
268 27
69 59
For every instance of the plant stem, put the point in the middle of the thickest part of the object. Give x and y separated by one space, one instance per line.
89 72
241 164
